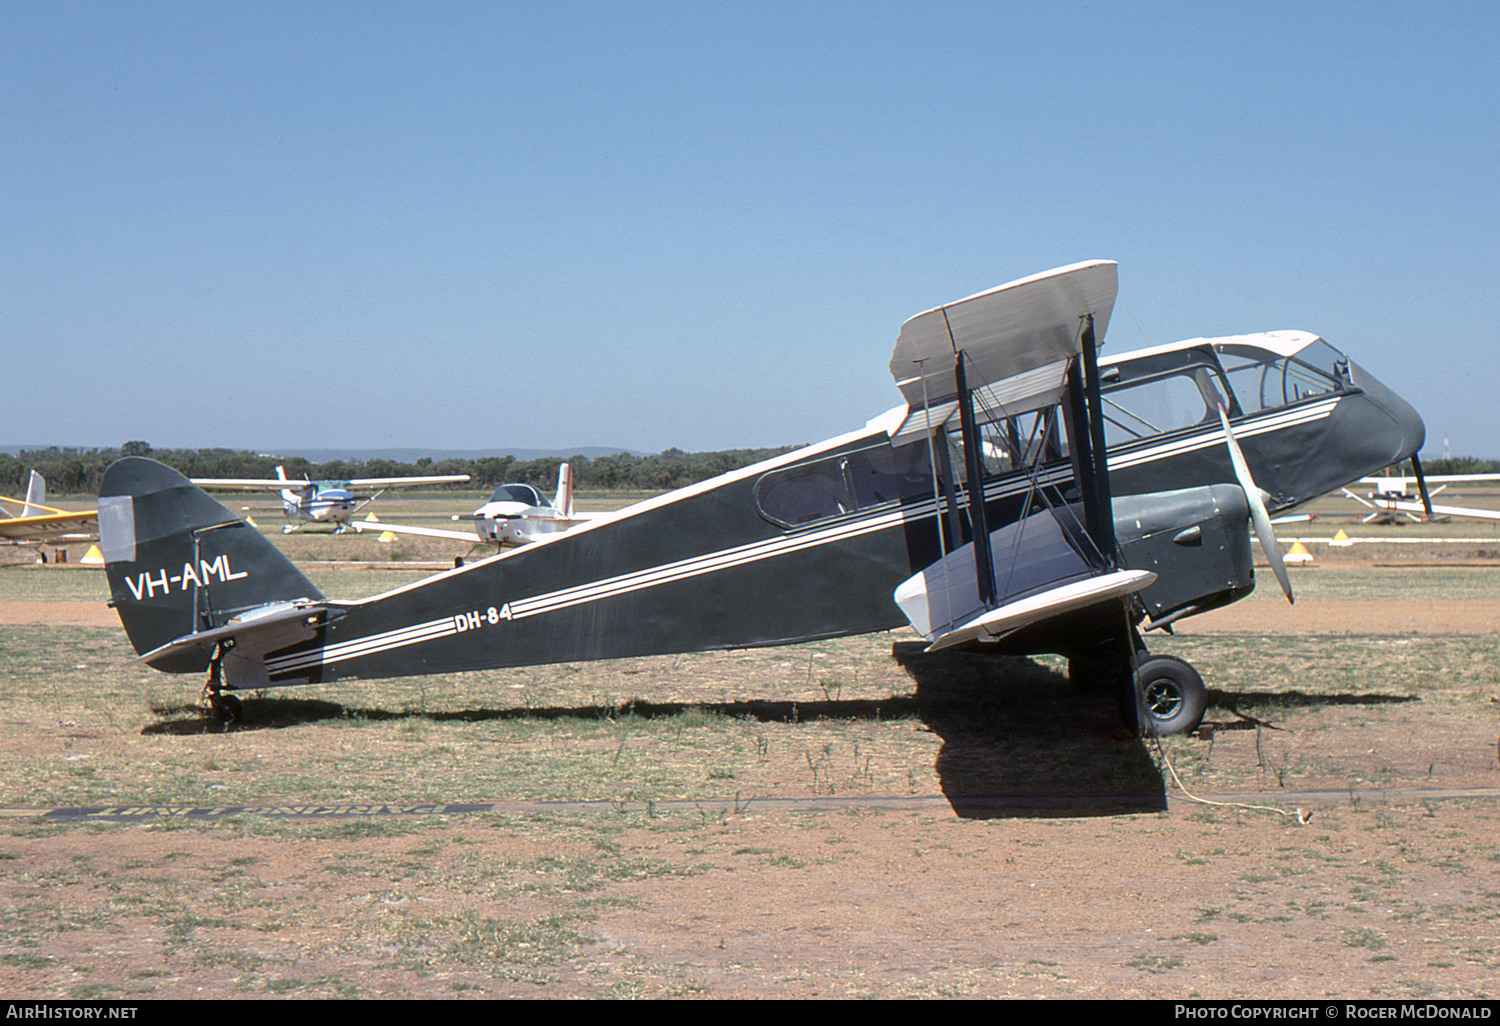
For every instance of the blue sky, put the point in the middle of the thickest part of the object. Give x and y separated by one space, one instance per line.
650 224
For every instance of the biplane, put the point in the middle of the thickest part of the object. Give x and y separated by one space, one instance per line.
30 521
1025 498
324 502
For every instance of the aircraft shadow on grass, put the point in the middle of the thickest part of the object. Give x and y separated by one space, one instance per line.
1018 740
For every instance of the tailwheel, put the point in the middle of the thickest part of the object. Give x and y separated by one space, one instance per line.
225 709
1175 698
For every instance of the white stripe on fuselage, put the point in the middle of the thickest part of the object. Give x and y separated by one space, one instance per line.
1215 437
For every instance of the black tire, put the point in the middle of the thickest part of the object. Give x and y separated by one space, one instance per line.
1174 694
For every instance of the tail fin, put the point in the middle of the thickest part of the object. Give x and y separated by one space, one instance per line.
564 501
179 563
36 496
288 495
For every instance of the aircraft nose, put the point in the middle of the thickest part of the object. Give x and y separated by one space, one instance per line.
1408 432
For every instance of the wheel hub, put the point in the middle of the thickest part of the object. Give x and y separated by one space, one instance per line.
1163 698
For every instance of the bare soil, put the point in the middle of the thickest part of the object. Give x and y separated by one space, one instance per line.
1352 854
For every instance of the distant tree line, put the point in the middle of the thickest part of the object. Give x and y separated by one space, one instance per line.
1458 465
78 471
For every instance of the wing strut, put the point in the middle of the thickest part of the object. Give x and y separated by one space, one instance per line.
984 560
1086 431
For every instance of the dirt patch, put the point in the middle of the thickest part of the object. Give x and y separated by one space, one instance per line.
92 614
1419 616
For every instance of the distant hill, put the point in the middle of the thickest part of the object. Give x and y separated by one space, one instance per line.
412 455
407 455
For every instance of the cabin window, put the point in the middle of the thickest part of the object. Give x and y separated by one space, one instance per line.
1007 444
518 493
1263 380
845 483
1153 406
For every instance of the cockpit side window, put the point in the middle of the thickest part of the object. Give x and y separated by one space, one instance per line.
835 485
1263 380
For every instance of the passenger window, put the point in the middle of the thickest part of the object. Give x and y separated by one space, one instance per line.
1012 443
845 483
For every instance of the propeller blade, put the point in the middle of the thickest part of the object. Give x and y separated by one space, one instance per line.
1258 515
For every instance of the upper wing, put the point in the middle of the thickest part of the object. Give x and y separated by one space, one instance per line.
1018 339
405 482
246 482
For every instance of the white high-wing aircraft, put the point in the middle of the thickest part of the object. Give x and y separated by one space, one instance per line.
1391 499
515 514
323 502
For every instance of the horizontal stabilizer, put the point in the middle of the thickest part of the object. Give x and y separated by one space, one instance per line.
261 630
1015 615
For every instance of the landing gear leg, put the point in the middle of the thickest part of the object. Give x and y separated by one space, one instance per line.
1158 694
223 708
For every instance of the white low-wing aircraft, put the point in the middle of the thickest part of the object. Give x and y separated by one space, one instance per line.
323 502
514 514
1392 499
1027 497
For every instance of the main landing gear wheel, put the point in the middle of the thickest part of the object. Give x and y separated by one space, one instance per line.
1175 696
